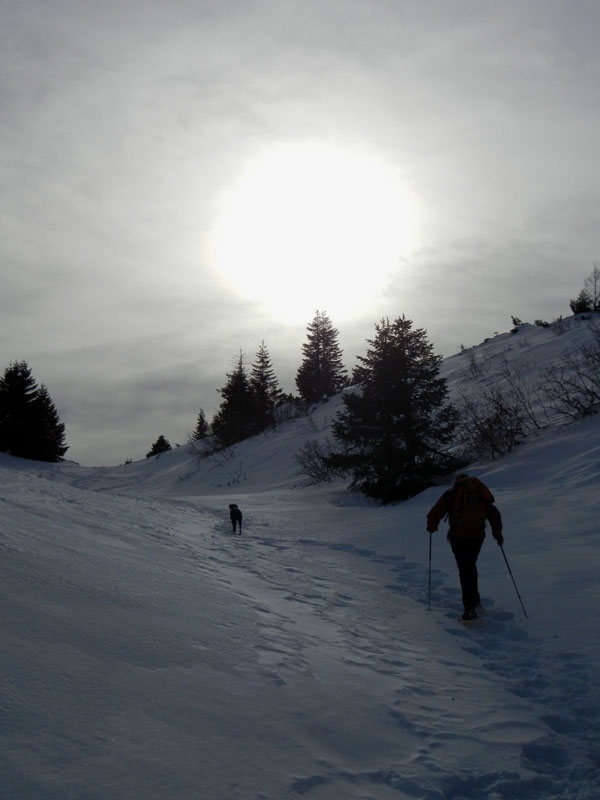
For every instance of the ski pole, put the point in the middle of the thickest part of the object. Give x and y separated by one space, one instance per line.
429 605
513 580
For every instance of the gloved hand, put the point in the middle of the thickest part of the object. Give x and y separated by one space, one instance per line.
500 540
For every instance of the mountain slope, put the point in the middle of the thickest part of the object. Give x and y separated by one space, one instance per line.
149 652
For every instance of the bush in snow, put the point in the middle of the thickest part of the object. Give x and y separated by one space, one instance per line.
573 384
315 460
161 445
491 424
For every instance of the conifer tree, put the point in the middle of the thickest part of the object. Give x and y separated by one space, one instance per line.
322 372
588 298
235 419
265 388
29 423
50 443
395 427
201 429
161 445
582 303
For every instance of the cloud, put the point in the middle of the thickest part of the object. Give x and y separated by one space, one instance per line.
124 126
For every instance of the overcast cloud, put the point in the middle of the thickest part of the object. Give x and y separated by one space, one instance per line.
123 127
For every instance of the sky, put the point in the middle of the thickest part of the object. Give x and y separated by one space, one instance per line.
149 652
182 181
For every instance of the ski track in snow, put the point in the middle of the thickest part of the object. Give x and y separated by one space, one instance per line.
560 684
330 613
304 621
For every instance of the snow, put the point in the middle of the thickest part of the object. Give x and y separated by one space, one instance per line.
149 653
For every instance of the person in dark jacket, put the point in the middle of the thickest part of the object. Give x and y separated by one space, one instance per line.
469 504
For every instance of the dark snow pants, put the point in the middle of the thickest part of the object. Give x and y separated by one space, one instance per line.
466 552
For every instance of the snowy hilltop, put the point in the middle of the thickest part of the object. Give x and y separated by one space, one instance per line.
150 653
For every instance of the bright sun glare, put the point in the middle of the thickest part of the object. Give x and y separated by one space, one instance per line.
313 227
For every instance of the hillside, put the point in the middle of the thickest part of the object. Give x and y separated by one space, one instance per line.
150 653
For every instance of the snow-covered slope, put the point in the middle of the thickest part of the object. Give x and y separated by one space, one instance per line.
150 653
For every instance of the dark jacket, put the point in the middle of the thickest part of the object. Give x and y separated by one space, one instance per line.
443 506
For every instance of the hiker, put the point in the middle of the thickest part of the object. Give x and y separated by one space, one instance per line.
235 515
468 505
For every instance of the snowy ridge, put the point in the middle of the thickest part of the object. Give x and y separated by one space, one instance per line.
150 653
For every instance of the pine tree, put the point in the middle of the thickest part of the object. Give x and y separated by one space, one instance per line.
588 298
50 443
395 427
235 419
161 445
201 429
29 423
321 373
265 388
582 303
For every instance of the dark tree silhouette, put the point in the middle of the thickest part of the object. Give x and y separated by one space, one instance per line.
395 427
161 445
588 298
265 389
582 304
201 429
321 373
235 419
52 431
29 423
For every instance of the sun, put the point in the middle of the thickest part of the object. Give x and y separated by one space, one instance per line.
313 227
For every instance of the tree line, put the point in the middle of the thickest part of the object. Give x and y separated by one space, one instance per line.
250 398
393 436
30 426
397 423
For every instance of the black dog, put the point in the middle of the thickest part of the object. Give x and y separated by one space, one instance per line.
236 516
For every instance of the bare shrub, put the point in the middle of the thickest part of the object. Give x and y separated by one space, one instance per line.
312 458
528 395
237 475
474 364
560 326
491 424
573 384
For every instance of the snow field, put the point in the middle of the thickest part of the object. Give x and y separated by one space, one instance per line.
150 653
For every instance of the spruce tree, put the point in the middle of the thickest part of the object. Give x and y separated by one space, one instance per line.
265 389
161 445
235 419
201 429
322 372
29 424
395 427
50 443
588 298
582 303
